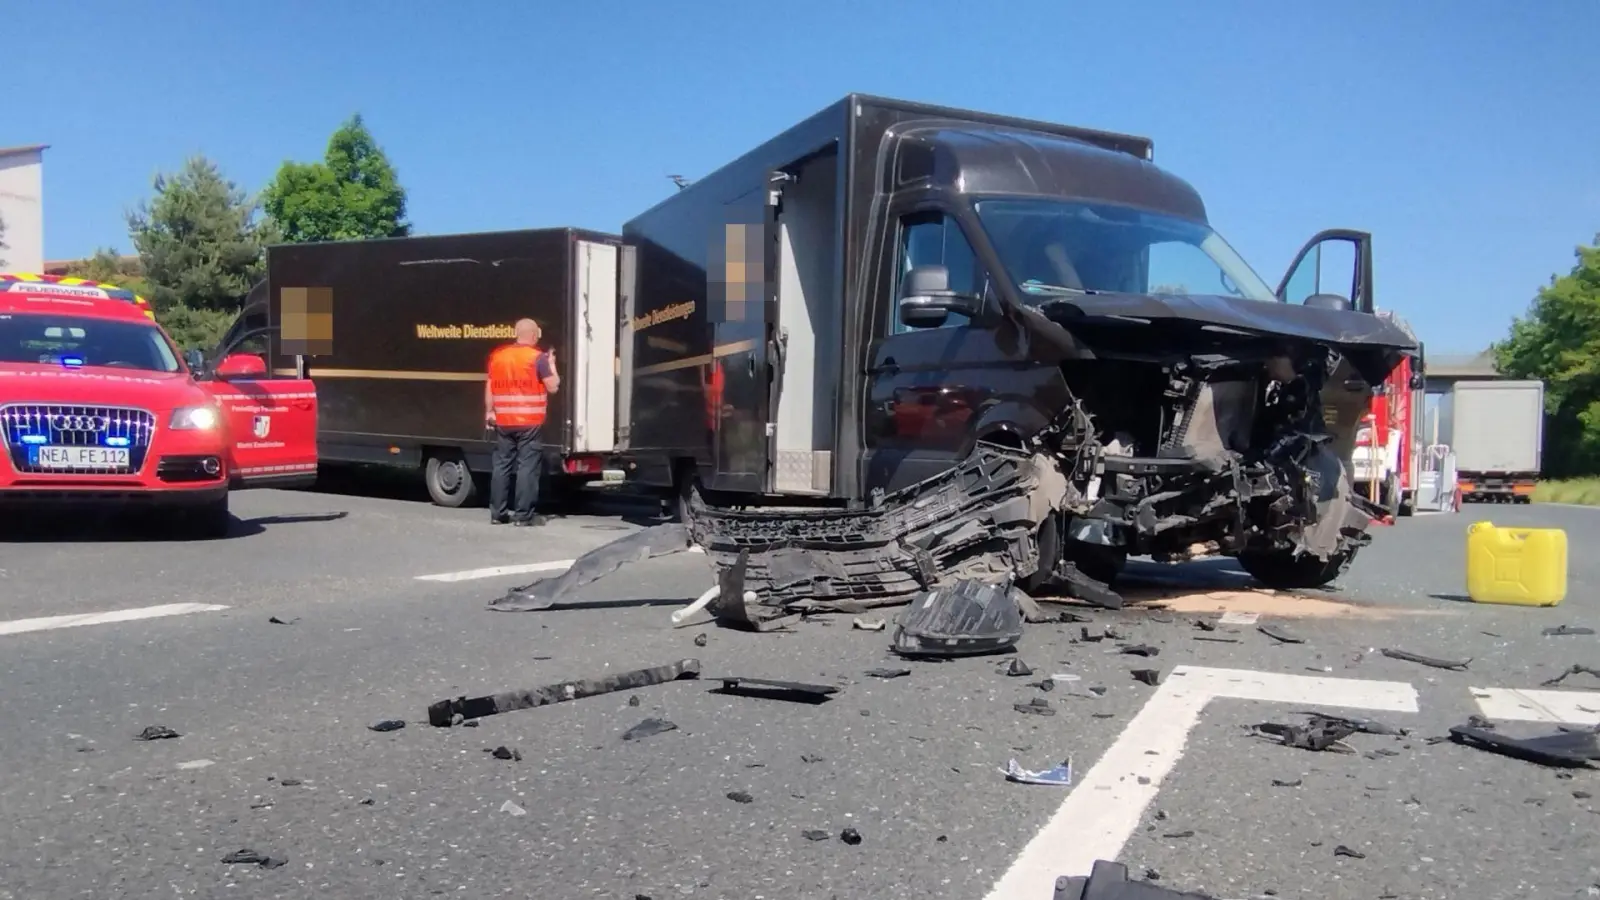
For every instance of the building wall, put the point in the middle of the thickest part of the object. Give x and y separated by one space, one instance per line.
22 209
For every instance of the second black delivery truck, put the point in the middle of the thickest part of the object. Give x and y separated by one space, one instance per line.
396 334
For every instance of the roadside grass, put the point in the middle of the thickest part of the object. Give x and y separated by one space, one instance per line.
1581 491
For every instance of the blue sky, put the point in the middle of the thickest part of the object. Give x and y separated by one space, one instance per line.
1457 132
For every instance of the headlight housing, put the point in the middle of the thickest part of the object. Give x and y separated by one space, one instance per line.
194 418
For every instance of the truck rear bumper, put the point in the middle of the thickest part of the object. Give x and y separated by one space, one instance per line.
1500 488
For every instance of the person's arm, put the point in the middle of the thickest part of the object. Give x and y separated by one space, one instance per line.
488 403
547 372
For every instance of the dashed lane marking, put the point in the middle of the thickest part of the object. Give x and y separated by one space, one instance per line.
1565 707
1104 809
47 623
554 565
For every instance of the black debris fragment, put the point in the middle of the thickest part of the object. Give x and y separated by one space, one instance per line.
1038 706
1018 668
1205 624
648 728
811 758
1216 640
1567 631
850 836
1151 677
632 701
1144 650
1320 734
1342 850
1278 633
1068 617
1151 874
157 733
1561 749
1477 721
387 725
252 858
1285 782
1178 835
1109 881
1047 685
815 834
1365 726
767 689
1574 670
503 752
291 782
1092 638
443 712
1581 795
1435 662
700 639
966 618
740 797
1114 635
274 620
888 673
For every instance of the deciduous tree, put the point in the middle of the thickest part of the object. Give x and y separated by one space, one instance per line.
1558 342
352 193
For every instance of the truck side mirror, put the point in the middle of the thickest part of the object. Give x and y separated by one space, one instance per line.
241 365
926 299
1328 301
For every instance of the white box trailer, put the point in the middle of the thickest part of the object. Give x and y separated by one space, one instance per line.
1496 430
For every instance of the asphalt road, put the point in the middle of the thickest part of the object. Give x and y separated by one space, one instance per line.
276 754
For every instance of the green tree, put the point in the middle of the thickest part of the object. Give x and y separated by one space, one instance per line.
200 245
353 193
1558 342
109 267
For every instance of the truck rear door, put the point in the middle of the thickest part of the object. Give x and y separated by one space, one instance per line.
270 421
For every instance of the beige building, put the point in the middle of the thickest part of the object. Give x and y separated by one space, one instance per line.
22 208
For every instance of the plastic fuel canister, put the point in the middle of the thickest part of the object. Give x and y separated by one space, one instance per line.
1519 566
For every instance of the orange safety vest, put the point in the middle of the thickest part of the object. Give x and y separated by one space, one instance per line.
519 396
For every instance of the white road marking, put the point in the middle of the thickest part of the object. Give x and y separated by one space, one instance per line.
1565 707
1103 811
554 565
46 623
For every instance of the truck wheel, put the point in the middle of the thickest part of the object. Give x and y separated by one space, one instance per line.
450 482
208 522
1282 570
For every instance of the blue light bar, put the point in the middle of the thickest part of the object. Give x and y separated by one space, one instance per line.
35 439
117 442
72 362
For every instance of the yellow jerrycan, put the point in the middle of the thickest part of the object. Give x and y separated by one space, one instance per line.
1519 566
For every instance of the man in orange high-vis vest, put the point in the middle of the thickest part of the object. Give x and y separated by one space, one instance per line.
515 398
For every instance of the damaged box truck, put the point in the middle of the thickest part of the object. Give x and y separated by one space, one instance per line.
901 344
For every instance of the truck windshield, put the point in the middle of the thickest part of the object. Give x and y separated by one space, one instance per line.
76 341
1052 248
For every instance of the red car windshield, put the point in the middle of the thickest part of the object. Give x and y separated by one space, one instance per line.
73 341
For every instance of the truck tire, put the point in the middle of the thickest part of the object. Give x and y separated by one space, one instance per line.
1282 570
450 482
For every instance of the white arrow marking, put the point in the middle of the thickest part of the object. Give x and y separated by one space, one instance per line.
1103 811
1565 707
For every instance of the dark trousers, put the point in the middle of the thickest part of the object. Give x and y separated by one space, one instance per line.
518 465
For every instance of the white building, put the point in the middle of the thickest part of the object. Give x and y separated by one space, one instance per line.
22 208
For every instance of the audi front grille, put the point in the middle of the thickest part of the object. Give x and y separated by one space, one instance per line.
30 425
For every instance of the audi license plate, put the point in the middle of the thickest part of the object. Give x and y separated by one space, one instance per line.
48 457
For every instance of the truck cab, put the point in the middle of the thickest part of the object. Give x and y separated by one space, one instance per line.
889 286
98 408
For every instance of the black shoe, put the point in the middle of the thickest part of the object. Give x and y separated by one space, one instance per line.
499 520
531 522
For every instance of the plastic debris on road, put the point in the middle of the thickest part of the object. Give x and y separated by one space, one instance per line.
1058 776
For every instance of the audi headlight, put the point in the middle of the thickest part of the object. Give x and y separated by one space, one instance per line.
194 418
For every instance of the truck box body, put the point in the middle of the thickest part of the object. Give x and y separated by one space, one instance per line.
705 317
399 332
1496 429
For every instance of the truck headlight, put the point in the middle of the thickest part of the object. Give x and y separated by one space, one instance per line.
194 418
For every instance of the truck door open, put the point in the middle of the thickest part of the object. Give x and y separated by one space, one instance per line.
270 421
1334 269
738 380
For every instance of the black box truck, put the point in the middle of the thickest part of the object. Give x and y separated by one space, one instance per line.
890 295
396 334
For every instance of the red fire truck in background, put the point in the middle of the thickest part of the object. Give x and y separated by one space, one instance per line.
1387 463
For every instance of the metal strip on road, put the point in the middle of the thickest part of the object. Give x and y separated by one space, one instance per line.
554 565
47 623
1104 809
1564 707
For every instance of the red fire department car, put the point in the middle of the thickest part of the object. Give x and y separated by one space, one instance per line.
97 406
